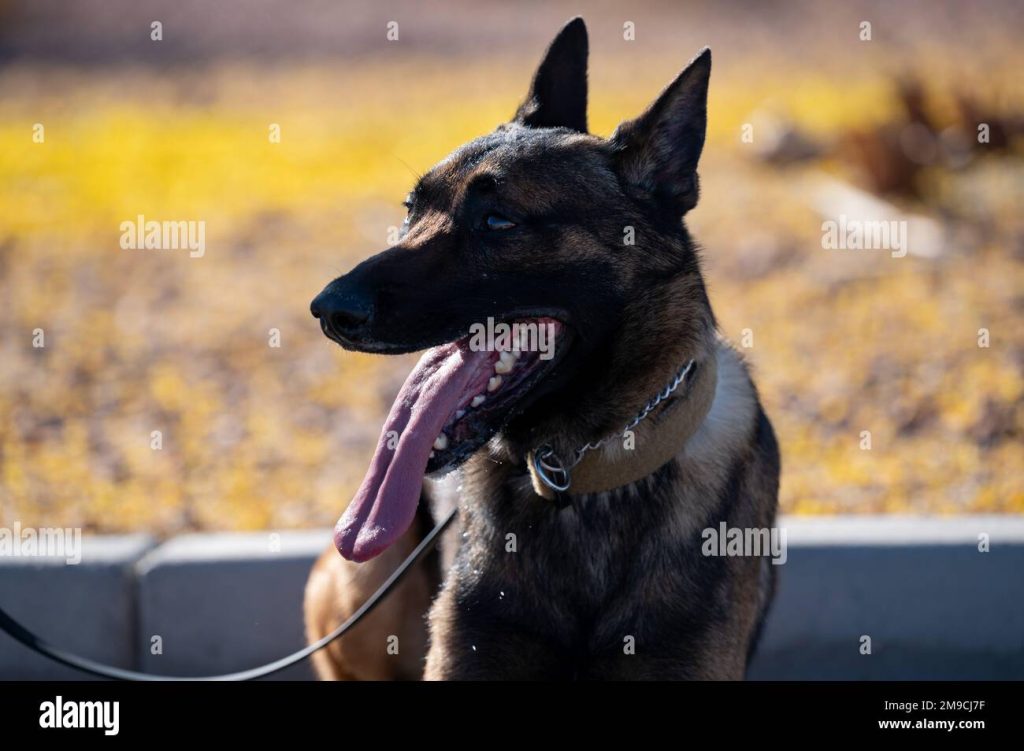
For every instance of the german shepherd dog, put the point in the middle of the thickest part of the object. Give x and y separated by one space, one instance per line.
579 547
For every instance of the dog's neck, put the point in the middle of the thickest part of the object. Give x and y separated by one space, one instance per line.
642 448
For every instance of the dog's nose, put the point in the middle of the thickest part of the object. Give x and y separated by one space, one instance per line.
342 313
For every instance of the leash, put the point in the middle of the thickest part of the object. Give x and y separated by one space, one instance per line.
40 646
549 474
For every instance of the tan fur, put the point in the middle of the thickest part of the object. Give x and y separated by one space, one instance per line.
336 588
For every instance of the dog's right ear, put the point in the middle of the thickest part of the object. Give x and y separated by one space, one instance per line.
657 153
558 94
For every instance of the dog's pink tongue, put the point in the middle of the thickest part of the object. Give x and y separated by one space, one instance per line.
385 504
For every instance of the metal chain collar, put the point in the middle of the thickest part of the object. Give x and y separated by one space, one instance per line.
556 475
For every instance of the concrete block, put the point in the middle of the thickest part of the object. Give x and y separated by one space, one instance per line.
225 602
87 608
934 606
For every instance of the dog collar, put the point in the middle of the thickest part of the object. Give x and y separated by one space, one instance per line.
661 438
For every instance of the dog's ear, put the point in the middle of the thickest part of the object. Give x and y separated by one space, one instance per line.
558 94
657 152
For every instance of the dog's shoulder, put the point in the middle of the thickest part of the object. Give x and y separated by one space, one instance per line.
735 410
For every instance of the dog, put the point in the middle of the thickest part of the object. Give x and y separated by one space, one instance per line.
580 546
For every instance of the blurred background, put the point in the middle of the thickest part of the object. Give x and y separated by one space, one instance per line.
255 436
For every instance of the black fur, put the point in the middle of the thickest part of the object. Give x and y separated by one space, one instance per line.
616 566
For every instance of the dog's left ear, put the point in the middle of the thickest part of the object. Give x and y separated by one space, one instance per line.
657 153
558 94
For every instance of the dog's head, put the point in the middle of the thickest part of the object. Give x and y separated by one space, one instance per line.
550 275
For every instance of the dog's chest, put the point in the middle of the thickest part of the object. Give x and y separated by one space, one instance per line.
577 572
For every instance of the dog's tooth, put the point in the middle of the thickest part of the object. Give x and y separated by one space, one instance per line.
477 400
494 383
509 358
432 454
502 367
459 414
441 442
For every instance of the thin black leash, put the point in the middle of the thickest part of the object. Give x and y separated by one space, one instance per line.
37 644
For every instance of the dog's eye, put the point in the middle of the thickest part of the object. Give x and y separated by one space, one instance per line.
498 222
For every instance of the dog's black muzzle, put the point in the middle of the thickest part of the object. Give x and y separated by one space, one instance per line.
345 312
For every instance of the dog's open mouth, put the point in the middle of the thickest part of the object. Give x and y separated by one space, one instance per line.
457 397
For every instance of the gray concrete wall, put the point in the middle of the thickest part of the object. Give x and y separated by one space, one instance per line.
225 602
89 608
934 606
